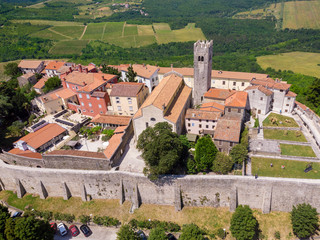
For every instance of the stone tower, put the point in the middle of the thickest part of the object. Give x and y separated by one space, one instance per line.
202 51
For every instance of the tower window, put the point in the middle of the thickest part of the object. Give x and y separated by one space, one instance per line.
202 58
199 58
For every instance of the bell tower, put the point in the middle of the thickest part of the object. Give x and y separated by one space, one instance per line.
202 51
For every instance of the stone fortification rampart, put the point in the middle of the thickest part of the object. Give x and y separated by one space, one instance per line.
229 191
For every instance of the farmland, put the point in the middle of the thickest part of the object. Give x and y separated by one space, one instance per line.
299 62
68 47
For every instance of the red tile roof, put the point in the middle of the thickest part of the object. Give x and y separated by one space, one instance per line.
43 135
126 89
203 115
145 71
111 119
212 106
262 89
78 153
220 94
291 94
237 75
41 83
228 129
239 99
270 83
26 153
114 143
29 64
54 65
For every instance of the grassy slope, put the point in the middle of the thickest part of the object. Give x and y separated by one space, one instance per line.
299 62
206 217
297 150
284 135
293 169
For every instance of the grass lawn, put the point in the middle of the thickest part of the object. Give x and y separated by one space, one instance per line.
71 31
297 150
293 169
299 62
206 217
287 135
69 47
285 121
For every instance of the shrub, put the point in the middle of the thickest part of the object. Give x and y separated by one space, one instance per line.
277 235
98 220
221 233
146 224
84 219
256 123
106 221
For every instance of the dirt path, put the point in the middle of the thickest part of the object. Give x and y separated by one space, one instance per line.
59 33
84 31
104 29
124 25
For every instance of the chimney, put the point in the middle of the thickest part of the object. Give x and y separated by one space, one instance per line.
84 83
144 64
80 68
163 107
70 69
103 77
86 70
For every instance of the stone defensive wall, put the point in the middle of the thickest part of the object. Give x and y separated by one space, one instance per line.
267 194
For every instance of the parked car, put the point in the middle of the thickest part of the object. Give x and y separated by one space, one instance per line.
74 230
16 214
171 236
62 229
53 226
85 230
142 235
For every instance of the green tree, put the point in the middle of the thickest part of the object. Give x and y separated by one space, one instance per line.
51 84
161 148
131 75
9 231
4 215
222 163
244 225
239 153
304 219
191 232
205 153
29 228
5 106
12 70
110 70
157 234
16 129
126 233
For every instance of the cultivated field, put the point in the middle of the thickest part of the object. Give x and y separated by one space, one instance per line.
207 218
69 47
298 62
49 22
301 14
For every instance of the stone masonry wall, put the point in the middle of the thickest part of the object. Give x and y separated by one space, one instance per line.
262 193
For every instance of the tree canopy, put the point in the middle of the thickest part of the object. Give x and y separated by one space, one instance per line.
161 148
157 234
191 232
131 75
52 83
12 70
126 233
305 221
222 163
4 215
244 225
205 153
239 153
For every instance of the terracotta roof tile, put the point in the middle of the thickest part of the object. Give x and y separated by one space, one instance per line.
99 94
126 89
270 83
237 75
212 106
54 65
239 99
41 83
29 63
262 89
111 119
220 94
203 115
144 71
291 94
27 75
228 130
43 135
26 153
182 71
63 93
304 107
114 143
78 153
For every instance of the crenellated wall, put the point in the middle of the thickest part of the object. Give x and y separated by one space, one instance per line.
209 190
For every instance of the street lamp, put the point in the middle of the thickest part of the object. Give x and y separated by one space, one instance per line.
224 230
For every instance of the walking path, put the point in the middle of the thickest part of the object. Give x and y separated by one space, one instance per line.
286 157
84 31
59 33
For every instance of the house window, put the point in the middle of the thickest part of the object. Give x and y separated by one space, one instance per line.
83 110
147 124
152 119
77 87
101 112
286 110
67 85
281 90
88 96
261 98
118 101
192 124
234 83
99 105
212 126
80 95
253 91
229 109
189 124
98 98
90 105
91 111
200 125
242 84
220 143
129 100
119 108
189 129
207 126
82 104
231 144
199 120
287 105
117 98
289 98
130 108
223 82
239 110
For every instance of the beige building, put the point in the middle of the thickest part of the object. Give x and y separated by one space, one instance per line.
167 103
127 97
260 99
34 66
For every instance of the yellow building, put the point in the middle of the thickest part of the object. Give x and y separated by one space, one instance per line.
127 97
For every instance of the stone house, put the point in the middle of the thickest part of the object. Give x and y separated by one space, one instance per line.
127 97
260 99
167 103
56 68
238 105
42 139
227 133
201 122
146 74
218 95
39 86
27 78
33 66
